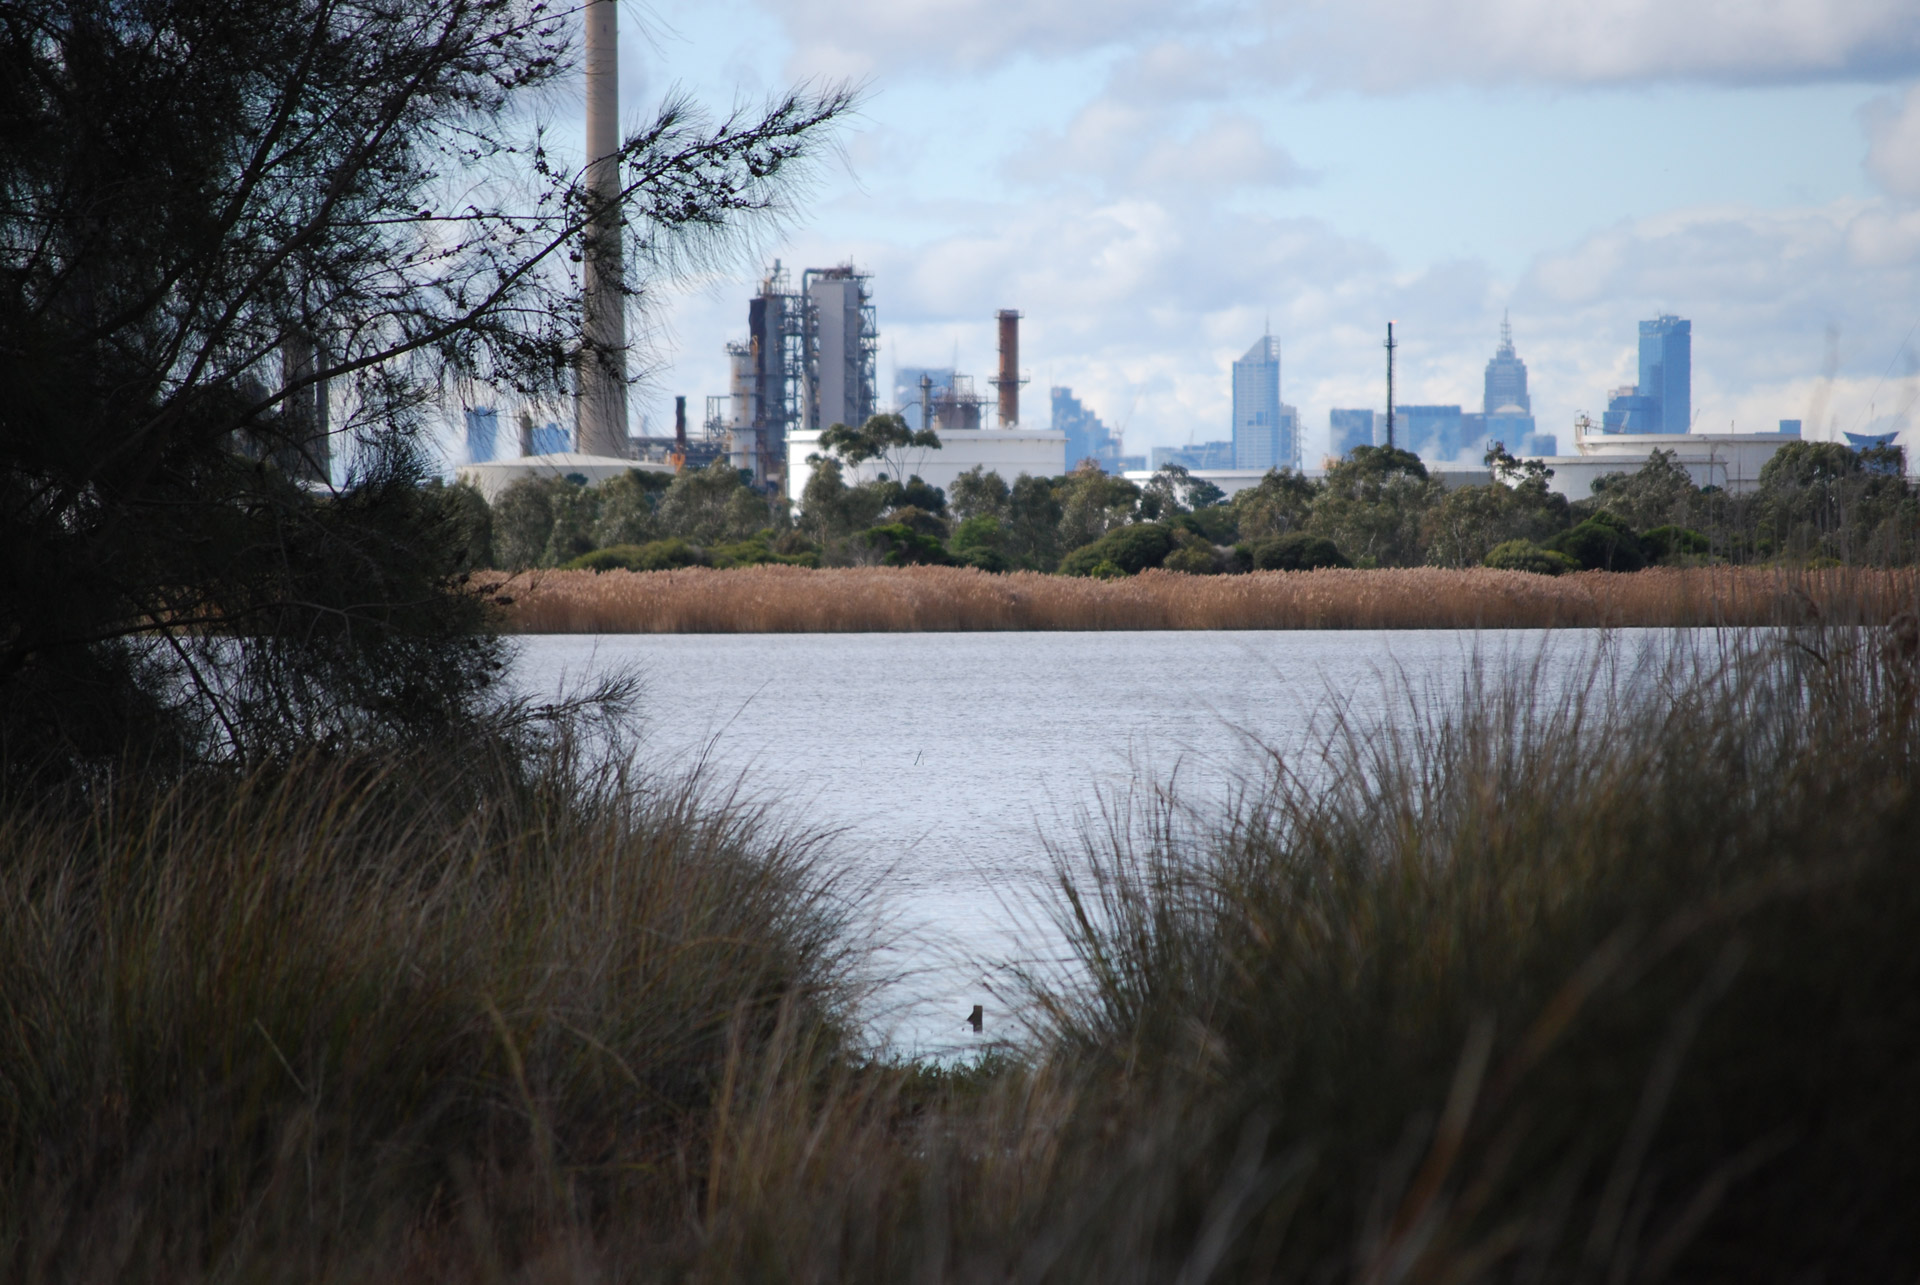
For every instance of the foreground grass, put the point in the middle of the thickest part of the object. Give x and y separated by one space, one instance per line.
777 599
1614 987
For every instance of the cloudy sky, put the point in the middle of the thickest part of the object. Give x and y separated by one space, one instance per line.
1153 181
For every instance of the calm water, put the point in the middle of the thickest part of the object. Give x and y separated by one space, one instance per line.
945 763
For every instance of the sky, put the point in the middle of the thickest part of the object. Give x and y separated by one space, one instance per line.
1155 182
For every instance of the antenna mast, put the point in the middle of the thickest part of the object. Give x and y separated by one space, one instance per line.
1390 347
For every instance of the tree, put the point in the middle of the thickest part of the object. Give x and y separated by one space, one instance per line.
1032 530
1467 523
1659 493
977 492
1374 505
1282 502
277 227
1093 503
628 508
712 504
1172 491
884 437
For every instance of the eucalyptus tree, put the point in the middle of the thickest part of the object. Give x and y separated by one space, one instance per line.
234 233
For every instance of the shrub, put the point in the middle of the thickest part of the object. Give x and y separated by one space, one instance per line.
1294 551
1525 555
985 559
657 555
1601 543
896 544
1194 559
1669 541
761 547
1130 549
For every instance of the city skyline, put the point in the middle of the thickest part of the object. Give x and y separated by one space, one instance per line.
1147 189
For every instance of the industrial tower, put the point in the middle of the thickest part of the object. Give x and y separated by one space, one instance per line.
600 409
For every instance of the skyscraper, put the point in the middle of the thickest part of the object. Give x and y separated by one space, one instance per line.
1087 437
1662 402
1507 408
1348 428
1666 372
1506 389
1266 431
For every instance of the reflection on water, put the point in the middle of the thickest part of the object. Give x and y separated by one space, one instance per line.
945 763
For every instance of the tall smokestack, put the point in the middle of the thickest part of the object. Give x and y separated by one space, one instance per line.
1009 381
600 415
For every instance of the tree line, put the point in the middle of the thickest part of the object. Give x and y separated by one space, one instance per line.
1815 503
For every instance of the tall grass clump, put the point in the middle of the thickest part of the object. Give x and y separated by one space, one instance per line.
1619 986
366 1017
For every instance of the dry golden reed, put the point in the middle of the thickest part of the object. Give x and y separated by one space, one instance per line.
784 599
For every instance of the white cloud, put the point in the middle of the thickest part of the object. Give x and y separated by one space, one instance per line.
1893 133
1130 148
1382 45
860 37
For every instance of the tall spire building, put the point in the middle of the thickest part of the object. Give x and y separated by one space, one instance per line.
1266 431
1506 391
1505 406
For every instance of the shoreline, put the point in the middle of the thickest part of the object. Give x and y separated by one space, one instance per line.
786 599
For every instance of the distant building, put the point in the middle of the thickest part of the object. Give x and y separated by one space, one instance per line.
551 439
1506 382
1666 370
1662 402
1435 432
1266 431
1867 441
1628 411
1791 427
907 391
1350 428
1201 455
1506 409
483 434
1087 437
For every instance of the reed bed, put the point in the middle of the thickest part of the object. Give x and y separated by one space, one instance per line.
781 599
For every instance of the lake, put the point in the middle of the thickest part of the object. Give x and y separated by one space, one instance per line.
945 764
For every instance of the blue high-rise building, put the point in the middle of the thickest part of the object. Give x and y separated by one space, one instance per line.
1505 394
1662 402
1349 428
483 434
1087 437
1666 371
1266 432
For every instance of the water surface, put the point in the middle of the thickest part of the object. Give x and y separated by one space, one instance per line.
945 764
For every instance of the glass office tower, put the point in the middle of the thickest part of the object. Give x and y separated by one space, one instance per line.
1666 373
